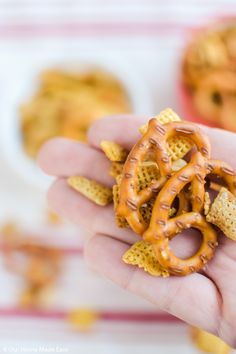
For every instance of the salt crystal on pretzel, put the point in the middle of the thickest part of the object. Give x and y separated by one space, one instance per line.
141 254
113 151
223 213
96 192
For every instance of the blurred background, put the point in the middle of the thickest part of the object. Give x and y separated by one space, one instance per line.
63 64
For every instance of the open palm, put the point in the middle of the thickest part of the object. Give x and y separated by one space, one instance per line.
207 299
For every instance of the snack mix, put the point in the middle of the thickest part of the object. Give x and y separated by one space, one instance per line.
37 264
67 103
159 193
209 75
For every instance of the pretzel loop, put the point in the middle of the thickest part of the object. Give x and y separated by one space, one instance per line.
222 169
180 267
161 228
155 139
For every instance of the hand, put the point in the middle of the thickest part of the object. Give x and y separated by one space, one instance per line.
207 299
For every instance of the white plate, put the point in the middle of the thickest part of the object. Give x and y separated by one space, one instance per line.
22 83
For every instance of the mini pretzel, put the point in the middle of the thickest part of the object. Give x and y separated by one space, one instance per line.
223 170
156 138
177 146
161 228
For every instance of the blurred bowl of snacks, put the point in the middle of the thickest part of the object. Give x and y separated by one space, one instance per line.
208 76
64 100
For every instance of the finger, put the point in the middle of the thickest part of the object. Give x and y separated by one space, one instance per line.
121 129
124 130
193 299
78 209
63 158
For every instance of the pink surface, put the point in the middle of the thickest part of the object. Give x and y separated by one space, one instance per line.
113 316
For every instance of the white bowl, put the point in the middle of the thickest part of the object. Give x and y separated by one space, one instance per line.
21 85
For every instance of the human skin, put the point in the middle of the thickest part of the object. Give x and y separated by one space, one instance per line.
206 299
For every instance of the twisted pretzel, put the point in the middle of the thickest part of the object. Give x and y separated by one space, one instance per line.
223 170
161 228
156 138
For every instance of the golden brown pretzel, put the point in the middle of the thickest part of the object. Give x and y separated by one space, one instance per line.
155 138
161 228
223 170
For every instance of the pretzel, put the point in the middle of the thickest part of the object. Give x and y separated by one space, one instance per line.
224 171
161 228
177 146
156 138
147 171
